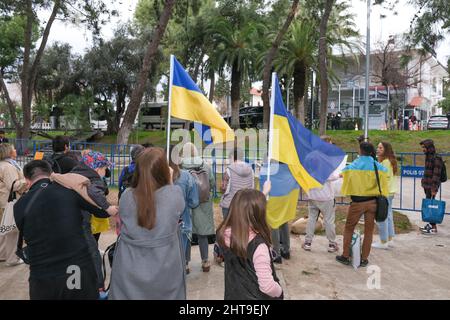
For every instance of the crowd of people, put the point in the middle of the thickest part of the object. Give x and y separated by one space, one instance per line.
62 209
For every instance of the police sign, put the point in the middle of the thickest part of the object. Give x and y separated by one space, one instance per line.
412 171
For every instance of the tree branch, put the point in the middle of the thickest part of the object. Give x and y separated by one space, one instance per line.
10 104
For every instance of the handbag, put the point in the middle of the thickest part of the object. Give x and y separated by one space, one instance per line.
382 202
8 223
433 211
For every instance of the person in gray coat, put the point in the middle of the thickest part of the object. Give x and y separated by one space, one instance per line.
148 261
203 215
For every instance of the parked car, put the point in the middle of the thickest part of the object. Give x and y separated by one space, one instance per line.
437 123
249 117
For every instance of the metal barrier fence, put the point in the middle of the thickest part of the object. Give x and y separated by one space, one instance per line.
409 196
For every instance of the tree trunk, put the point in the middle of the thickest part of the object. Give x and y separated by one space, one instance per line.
269 60
138 92
29 71
212 85
323 74
299 90
235 95
9 102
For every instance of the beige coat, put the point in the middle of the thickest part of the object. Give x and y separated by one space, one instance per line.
8 174
75 182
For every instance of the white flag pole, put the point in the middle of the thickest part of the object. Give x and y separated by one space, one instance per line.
272 110
169 109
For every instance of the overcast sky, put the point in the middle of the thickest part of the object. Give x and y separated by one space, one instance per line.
80 39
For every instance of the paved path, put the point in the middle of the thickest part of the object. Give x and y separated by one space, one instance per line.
417 268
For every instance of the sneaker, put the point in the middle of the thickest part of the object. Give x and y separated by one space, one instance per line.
188 270
343 260
218 260
285 255
306 246
278 260
429 231
206 266
380 245
333 247
425 227
391 244
364 263
13 264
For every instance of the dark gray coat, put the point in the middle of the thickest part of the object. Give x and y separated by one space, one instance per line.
149 264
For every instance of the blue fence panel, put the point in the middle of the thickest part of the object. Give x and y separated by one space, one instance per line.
409 165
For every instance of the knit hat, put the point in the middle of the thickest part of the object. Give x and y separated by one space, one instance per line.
135 150
95 160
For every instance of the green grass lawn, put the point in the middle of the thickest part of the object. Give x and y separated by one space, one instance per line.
402 141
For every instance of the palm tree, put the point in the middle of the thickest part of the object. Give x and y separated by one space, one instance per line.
296 56
235 46
298 53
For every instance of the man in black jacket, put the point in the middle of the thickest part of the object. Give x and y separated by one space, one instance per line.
60 161
50 220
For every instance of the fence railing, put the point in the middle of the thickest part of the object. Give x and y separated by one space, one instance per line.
408 198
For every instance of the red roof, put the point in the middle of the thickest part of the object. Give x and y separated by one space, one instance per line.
416 102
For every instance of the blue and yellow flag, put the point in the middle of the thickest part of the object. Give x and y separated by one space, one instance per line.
283 196
311 160
189 103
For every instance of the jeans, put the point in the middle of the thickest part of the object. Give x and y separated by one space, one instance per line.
386 228
280 239
202 244
429 196
328 211
225 212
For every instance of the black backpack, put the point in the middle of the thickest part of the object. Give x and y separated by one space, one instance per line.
126 180
443 170
53 161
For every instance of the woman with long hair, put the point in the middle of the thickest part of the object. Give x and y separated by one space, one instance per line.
148 261
246 240
386 229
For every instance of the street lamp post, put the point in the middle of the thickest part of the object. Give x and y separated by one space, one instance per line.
366 122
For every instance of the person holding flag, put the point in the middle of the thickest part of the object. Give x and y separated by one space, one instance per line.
304 159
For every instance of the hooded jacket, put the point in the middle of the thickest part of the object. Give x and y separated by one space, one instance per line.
239 175
433 165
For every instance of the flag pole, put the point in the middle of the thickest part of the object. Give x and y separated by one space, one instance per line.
272 109
169 106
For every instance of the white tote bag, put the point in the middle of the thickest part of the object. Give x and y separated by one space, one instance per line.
8 223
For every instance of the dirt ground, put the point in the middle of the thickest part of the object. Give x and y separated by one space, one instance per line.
417 268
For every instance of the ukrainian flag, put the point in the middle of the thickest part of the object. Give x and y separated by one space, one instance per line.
283 196
188 103
310 159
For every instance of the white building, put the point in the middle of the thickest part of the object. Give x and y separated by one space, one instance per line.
420 86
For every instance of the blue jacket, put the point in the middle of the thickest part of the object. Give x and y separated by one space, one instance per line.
191 197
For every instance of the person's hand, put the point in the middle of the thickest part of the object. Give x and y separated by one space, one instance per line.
266 188
171 175
112 211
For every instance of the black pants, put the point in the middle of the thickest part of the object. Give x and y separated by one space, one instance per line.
56 288
429 196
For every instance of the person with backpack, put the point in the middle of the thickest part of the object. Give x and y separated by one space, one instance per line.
203 215
148 260
386 229
127 173
239 175
188 185
435 173
92 168
246 239
50 220
59 161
